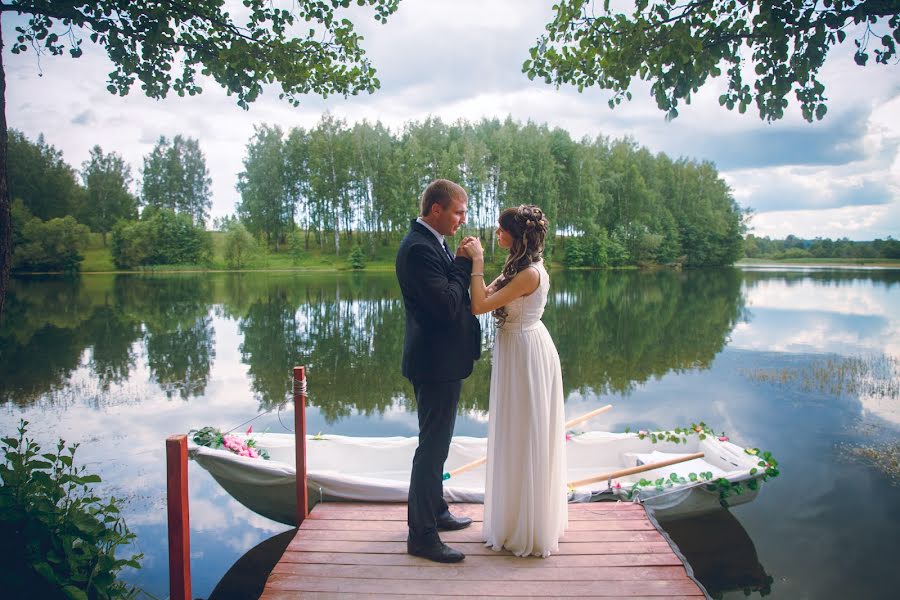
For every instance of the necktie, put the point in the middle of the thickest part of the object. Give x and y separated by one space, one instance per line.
447 250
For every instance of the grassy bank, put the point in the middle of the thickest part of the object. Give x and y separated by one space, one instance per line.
380 257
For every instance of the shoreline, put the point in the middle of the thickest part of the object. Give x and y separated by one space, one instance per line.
385 267
855 263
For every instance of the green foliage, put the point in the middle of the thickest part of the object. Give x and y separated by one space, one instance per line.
337 181
151 42
54 245
588 250
175 177
240 247
357 258
60 538
678 46
107 199
38 175
297 247
793 247
161 237
265 207
766 468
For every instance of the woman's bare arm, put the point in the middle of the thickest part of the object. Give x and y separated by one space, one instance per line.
524 283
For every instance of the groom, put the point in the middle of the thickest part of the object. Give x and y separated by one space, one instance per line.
442 342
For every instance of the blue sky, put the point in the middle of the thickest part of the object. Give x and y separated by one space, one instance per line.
462 59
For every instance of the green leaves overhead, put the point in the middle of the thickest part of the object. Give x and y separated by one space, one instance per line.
678 46
306 46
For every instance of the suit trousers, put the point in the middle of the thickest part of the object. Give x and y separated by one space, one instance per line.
437 402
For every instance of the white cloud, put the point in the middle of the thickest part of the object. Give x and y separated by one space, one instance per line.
462 59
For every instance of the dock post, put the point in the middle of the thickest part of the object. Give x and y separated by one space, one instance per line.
300 441
178 518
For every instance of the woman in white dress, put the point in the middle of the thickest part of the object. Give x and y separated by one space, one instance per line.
525 498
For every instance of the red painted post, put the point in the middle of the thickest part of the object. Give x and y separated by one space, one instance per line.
179 521
300 441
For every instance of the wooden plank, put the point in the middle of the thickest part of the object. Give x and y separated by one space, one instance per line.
474 534
467 508
485 572
575 560
358 550
367 547
457 588
374 525
288 595
395 515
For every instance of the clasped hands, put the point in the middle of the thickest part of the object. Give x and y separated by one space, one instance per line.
470 246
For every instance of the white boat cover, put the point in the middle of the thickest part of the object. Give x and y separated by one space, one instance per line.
376 469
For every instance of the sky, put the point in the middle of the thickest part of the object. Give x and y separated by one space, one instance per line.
461 59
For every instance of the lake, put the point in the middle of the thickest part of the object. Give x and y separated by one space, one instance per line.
804 363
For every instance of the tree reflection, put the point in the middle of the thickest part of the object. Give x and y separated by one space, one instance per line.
613 330
175 311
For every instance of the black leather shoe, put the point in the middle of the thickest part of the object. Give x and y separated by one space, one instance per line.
437 551
450 523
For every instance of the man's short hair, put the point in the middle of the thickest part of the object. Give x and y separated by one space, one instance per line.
441 191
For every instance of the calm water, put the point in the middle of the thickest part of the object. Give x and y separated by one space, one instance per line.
802 363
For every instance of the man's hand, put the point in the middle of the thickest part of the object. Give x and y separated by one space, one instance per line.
460 250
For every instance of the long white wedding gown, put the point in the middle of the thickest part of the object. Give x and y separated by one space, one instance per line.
525 497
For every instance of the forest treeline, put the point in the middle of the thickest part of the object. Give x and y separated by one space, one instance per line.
350 190
612 201
337 185
793 247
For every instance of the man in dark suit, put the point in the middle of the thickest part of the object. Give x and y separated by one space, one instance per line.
442 342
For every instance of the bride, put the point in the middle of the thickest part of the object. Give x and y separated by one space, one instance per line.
525 507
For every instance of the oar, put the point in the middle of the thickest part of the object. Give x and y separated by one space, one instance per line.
633 470
483 459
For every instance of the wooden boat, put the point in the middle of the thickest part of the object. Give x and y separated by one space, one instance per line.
376 469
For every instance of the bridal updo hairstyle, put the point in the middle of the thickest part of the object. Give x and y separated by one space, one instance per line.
527 226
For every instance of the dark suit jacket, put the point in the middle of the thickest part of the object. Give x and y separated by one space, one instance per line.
443 338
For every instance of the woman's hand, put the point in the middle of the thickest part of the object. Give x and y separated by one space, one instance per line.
473 248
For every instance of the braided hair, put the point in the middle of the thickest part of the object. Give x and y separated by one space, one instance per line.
527 226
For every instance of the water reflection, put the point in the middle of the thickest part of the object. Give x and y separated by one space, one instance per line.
119 362
724 558
613 331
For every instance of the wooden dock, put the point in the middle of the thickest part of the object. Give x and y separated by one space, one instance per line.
344 550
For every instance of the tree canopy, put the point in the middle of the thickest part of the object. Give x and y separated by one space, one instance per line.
107 198
175 177
678 45
337 180
305 46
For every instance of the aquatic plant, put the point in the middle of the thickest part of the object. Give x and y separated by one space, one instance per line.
60 539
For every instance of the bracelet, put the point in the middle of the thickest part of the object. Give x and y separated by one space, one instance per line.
476 275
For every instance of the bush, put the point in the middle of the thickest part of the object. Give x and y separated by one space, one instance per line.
298 247
357 258
62 539
161 237
591 249
53 245
793 253
240 247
